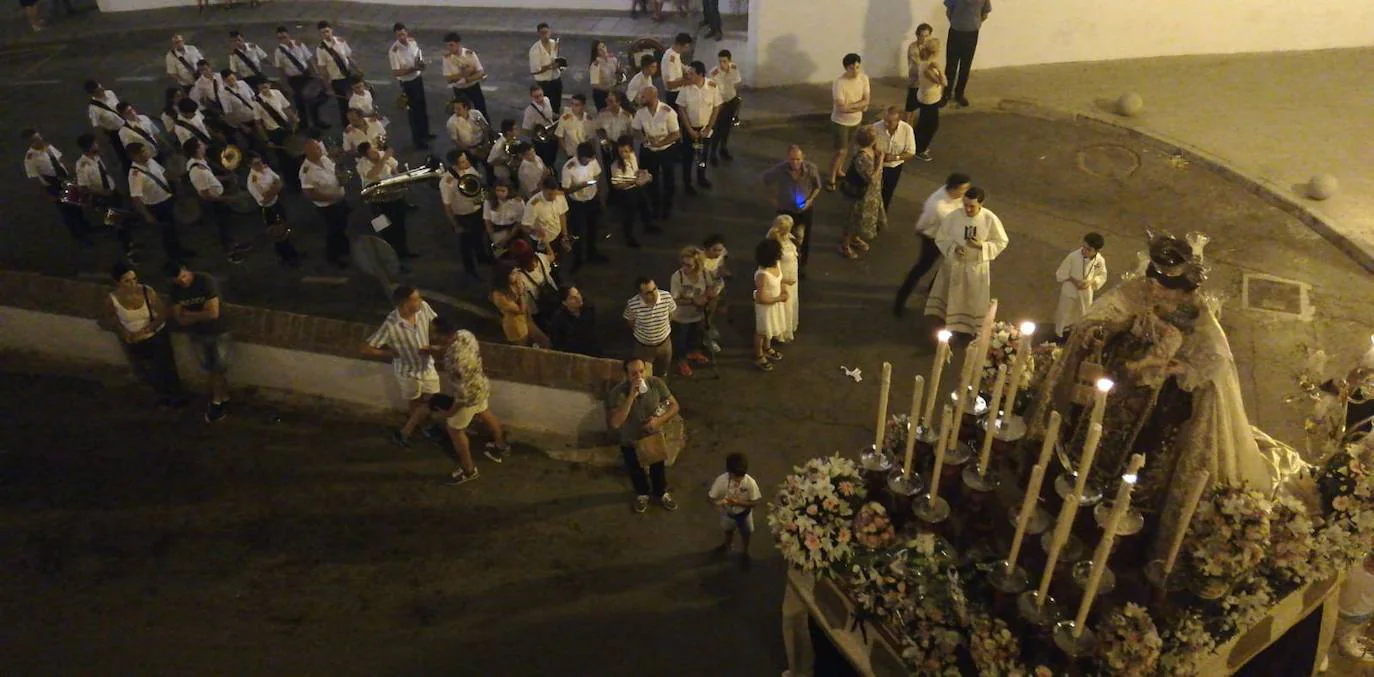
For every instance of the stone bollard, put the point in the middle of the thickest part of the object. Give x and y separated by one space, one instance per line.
1322 187
1130 104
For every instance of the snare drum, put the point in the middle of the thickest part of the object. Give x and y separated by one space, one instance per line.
71 194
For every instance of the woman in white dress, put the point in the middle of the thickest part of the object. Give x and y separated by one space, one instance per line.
769 298
782 232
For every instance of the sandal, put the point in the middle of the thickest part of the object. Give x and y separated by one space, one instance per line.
860 244
829 186
763 363
772 354
848 253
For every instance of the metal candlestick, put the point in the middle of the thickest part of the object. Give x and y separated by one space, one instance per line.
1131 523
930 512
1074 641
1043 615
1009 578
1082 571
905 485
1010 428
1064 485
982 483
1154 573
1040 520
1072 549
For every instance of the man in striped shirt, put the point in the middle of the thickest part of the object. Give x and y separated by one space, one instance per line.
649 313
404 339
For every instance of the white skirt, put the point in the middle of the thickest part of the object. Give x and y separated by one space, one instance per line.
770 320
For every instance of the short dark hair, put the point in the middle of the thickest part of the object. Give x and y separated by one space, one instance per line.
521 148
120 269
698 67
976 194
91 85
123 106
362 148
564 292
462 100
580 97
507 124
768 253
282 29
643 280
322 25
549 183
85 141
440 401
451 157
445 325
226 73
851 58
724 54
202 62
682 39
173 268
535 88
736 463
189 147
625 363
401 293
354 80
135 148
712 240
926 27
541 26
586 149
28 133
452 36
1094 240
187 106
235 34
957 179
647 60
250 155
398 26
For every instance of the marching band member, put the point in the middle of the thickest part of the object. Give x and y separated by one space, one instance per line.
246 59
727 77
295 61
464 213
362 129
898 143
574 126
626 192
546 69
540 118
43 164
408 66
210 189
138 129
467 127
181 62
190 124
502 213
239 108
208 89
498 161
612 123
360 97
93 177
463 71
699 103
532 170
375 164
546 218
104 112
580 177
657 124
171 99
265 186
321 186
648 68
334 58
153 199
674 71
603 73
278 120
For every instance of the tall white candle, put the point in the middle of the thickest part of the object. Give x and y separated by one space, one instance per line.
946 432
1103 386
918 389
985 340
1018 367
936 371
1120 505
986 453
1027 509
1185 518
883 390
1057 541
1051 439
1085 462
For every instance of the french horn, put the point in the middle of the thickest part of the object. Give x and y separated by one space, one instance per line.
230 157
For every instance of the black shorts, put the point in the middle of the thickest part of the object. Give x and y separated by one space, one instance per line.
911 102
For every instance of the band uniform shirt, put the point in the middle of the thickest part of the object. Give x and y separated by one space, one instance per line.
455 202
240 66
468 131
38 164
602 73
103 118
541 57
530 175
372 132
366 166
296 49
652 323
624 172
406 338
614 125
146 189
576 176
91 172
405 56
196 121
238 103
637 85
697 102
130 133
326 62
203 179
363 102
209 92
320 177
536 114
504 215
727 82
656 124
937 206
497 156
542 217
573 130
671 68
893 143
259 182
178 70
454 63
278 103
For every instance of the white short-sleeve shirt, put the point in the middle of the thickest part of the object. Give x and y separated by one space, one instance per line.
542 217
405 56
178 70
320 177
456 202
671 67
104 117
697 102
576 176
143 131
38 165
656 123
203 179
614 126
366 166
91 172
259 182
373 132
145 188
453 64
329 66
540 57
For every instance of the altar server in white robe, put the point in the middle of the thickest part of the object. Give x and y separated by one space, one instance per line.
1082 273
969 239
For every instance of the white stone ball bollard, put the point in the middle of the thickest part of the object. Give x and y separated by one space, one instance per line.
1130 104
1321 187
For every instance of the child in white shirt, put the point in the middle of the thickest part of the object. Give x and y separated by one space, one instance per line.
717 268
736 494
1082 273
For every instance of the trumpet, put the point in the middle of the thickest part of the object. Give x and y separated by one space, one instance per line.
470 186
230 157
395 188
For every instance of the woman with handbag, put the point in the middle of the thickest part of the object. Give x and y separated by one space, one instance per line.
863 184
930 91
139 318
509 297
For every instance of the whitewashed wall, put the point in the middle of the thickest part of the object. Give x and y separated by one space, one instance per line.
355 382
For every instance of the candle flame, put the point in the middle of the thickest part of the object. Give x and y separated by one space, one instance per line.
944 335
1027 328
1105 385
1130 478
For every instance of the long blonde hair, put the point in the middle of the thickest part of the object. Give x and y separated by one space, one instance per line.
781 230
929 49
697 254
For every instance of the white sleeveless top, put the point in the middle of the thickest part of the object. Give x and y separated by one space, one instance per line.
135 320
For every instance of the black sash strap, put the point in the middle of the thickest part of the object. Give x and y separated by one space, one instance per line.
160 183
272 111
142 133
219 101
189 68
104 177
244 58
191 128
294 61
541 113
240 98
338 60
101 104
57 167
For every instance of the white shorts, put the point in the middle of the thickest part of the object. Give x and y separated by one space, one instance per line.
732 522
463 417
414 388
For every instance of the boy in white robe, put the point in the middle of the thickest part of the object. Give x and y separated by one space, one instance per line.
1082 273
969 238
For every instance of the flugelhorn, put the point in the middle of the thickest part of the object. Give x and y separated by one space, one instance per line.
230 157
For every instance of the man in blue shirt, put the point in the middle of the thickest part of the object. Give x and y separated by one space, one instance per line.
965 18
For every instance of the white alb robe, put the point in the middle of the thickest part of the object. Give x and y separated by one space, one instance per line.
963 287
1073 302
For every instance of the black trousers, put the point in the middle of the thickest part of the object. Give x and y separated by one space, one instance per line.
394 234
599 98
335 219
475 95
725 122
669 98
418 111
584 220
341 92
290 167
308 110
74 218
471 246
801 225
654 483
554 90
286 251
153 361
927 121
891 175
959 50
689 156
221 216
123 233
118 146
930 257
630 203
548 152
164 216
710 10
660 165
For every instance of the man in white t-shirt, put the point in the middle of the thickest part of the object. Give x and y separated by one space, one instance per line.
736 493
850 96
941 202
674 70
698 103
580 177
546 217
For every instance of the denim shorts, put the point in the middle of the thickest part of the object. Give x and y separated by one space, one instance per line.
212 351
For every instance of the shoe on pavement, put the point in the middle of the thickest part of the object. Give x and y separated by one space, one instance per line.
668 503
924 156
963 102
641 504
495 453
398 438
697 357
684 369
462 477
214 412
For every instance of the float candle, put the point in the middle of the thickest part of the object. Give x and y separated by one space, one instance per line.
984 341
1189 507
1027 509
1018 367
936 371
1120 505
1104 386
993 420
1061 535
918 389
1085 463
1051 439
945 434
882 407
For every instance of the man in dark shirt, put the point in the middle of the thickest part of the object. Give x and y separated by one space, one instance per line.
636 409
572 329
966 17
195 308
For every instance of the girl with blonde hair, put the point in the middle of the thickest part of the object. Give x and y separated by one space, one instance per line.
693 290
781 231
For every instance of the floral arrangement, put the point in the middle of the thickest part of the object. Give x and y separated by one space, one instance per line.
1130 643
910 582
1186 644
1292 557
1345 483
894 438
812 515
929 649
996 652
1003 342
1229 532
1247 603
872 527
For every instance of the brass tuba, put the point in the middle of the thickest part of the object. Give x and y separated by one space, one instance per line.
470 186
395 187
230 157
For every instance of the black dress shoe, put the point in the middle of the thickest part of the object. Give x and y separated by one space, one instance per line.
703 182
692 191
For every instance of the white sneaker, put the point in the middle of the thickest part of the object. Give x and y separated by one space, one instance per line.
460 477
1354 648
